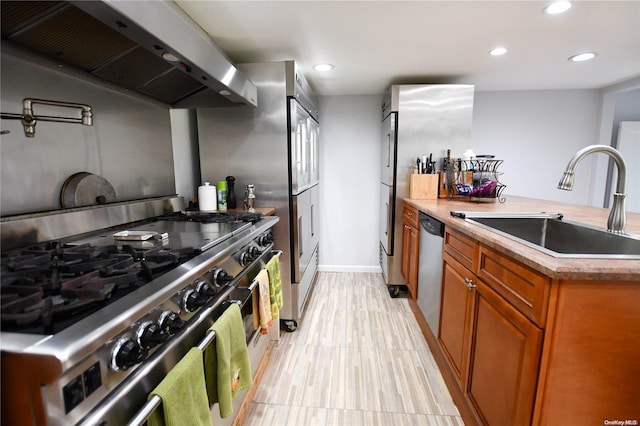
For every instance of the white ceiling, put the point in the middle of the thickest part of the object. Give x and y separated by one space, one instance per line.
376 43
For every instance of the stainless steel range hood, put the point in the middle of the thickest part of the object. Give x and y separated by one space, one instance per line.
151 47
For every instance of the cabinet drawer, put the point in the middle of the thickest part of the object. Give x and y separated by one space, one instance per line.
410 216
461 247
526 289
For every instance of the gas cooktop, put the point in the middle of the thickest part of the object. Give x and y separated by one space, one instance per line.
50 286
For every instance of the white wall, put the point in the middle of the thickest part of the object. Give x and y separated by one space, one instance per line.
349 174
536 133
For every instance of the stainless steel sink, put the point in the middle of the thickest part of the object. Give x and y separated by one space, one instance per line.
556 237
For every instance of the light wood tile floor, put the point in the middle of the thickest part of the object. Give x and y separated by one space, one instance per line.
357 358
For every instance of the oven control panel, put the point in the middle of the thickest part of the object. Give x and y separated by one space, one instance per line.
81 387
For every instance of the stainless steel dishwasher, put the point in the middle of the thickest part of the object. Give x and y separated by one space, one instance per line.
430 269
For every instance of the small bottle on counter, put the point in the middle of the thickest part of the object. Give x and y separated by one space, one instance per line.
468 156
222 195
250 198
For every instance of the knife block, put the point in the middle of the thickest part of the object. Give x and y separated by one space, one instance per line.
423 187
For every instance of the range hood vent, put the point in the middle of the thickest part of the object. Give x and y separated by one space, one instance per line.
151 47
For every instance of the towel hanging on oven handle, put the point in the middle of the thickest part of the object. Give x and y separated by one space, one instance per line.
254 283
155 401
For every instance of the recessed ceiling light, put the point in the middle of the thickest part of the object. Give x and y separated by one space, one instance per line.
582 57
557 7
498 51
323 67
168 56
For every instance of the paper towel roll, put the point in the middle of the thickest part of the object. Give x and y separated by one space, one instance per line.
207 198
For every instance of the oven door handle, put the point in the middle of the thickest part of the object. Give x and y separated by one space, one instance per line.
253 285
145 412
155 401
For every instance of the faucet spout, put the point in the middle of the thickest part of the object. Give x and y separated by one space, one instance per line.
617 216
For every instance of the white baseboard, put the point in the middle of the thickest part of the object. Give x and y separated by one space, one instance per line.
349 268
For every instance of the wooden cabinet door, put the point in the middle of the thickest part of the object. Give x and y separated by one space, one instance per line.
455 315
413 252
406 240
503 361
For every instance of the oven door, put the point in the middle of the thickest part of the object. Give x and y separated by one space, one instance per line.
246 294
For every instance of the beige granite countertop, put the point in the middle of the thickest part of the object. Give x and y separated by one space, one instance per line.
554 267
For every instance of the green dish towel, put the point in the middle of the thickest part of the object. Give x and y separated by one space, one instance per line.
184 394
226 361
275 286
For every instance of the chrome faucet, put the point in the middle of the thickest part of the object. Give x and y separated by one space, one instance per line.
617 215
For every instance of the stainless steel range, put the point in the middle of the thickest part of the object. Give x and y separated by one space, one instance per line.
92 321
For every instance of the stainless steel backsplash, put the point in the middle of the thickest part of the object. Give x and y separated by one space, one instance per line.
129 143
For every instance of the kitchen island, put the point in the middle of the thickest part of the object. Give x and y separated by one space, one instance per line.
528 338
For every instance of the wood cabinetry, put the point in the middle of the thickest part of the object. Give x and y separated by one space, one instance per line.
492 348
455 317
520 348
410 248
539 340
503 362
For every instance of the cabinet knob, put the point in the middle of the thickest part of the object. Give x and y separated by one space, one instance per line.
469 283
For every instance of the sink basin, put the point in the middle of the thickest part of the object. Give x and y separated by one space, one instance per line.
560 238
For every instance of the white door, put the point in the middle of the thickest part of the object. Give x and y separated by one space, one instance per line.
629 147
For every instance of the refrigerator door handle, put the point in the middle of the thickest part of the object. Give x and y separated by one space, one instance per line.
300 238
389 150
313 231
386 231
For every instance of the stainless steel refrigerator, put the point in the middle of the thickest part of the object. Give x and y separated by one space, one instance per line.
417 120
275 148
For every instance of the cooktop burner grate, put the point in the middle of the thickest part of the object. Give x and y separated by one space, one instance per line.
213 217
47 288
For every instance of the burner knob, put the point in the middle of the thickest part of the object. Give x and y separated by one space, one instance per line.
127 353
221 278
192 300
205 290
245 258
265 239
254 252
149 334
171 322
